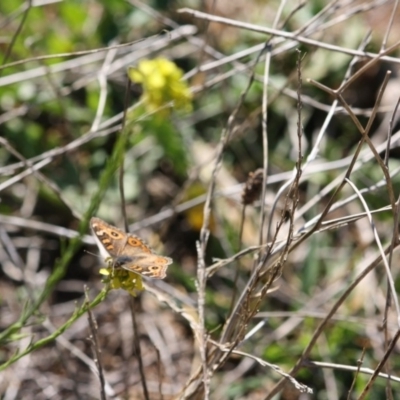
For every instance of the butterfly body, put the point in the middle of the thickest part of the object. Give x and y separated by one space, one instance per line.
128 251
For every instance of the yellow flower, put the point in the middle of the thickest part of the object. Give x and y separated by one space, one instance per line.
119 278
162 84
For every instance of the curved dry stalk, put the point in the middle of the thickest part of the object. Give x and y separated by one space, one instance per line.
299 386
342 367
288 35
322 325
34 169
378 242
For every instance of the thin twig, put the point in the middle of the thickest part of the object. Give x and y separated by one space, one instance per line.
381 364
95 347
34 169
287 35
322 325
378 242
138 352
390 24
16 34
121 168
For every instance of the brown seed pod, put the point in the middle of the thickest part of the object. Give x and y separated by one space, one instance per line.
252 189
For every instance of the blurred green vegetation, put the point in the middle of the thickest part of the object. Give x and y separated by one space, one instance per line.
167 155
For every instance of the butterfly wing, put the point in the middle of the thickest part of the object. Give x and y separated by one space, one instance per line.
128 251
110 240
136 246
143 260
150 265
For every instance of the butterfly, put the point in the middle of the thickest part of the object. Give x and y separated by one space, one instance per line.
128 251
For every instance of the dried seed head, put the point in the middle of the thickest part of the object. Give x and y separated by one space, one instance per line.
252 189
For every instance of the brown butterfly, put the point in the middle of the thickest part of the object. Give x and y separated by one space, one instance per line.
128 251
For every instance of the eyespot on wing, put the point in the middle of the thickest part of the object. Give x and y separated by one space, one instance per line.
136 242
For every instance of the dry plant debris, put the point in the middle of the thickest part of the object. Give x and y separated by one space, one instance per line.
255 144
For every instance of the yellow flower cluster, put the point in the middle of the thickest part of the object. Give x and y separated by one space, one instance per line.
162 84
119 278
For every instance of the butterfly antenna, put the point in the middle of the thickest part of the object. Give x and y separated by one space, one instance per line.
92 254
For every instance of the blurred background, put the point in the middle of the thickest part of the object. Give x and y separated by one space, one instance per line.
71 116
